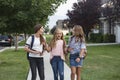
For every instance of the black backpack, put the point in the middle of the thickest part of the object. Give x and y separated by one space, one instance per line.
31 45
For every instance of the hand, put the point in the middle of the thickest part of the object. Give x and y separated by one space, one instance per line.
44 43
38 52
41 54
66 58
46 47
70 49
77 60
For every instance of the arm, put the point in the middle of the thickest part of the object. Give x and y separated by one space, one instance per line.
82 53
64 47
69 49
69 42
81 56
48 48
83 50
27 49
29 44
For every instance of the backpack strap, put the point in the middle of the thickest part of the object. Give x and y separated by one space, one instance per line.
32 42
31 45
71 38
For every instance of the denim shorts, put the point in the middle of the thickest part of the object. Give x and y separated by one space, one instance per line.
75 63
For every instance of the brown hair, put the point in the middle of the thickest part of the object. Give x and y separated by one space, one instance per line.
36 29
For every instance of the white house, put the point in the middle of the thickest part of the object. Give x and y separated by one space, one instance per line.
106 27
60 24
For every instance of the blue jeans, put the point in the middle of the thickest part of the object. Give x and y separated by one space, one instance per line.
58 67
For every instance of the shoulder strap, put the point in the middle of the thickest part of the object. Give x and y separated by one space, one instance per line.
32 41
71 38
31 45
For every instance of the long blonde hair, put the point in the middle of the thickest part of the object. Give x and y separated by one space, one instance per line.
78 31
54 39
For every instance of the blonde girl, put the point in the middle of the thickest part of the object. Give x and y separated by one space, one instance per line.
76 47
57 48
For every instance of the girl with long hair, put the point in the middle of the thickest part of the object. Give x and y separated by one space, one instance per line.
35 53
76 47
57 48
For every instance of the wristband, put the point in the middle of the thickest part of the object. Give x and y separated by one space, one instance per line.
80 57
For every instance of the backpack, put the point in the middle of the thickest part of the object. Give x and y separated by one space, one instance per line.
31 45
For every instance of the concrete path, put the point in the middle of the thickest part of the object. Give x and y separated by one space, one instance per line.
101 44
48 70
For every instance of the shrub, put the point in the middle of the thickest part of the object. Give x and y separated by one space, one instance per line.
108 38
97 38
100 38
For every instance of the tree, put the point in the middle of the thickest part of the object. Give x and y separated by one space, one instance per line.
111 11
19 16
85 13
52 30
116 4
46 29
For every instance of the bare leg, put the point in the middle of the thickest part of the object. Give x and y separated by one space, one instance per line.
73 73
78 71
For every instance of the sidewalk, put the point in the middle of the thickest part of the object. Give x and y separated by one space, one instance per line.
48 70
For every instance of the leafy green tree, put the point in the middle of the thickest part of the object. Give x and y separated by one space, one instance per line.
22 15
46 29
19 16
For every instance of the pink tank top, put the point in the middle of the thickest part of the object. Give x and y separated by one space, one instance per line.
58 49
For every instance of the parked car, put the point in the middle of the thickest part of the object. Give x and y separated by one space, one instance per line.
6 40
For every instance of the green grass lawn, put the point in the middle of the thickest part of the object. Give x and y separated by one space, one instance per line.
13 65
101 63
22 43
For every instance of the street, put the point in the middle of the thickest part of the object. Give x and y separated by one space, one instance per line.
1 47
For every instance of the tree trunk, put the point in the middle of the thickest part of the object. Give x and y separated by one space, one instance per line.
25 36
16 42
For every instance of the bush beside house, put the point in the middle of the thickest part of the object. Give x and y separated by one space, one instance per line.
100 38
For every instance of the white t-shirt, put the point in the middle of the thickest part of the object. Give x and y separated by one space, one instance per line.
36 46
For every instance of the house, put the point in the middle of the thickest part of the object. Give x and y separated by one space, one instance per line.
61 25
109 26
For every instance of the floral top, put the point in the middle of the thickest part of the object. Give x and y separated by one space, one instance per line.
77 46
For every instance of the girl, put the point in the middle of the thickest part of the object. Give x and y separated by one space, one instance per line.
76 47
35 56
57 48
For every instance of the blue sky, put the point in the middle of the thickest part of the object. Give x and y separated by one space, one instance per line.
60 12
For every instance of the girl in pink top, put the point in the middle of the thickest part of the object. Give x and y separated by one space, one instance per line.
57 48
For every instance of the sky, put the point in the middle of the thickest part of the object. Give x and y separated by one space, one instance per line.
60 13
